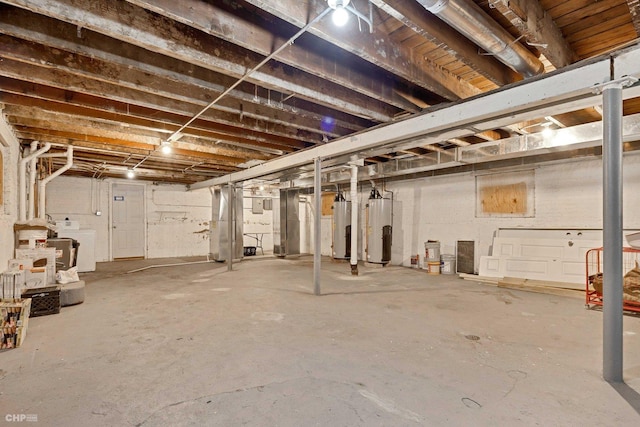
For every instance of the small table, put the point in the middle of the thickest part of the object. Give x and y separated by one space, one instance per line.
258 237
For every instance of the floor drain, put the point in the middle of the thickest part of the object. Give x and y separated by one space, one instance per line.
472 337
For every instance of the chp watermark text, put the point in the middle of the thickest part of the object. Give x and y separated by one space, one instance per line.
21 418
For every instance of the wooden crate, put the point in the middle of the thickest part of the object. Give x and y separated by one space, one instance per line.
14 320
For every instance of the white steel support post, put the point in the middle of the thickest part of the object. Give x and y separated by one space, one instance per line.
612 231
230 233
354 219
317 229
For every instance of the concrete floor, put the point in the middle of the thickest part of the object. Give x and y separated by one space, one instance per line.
197 345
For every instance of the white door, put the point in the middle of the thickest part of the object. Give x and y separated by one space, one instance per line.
128 221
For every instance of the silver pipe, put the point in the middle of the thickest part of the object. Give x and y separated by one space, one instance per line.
230 227
354 220
612 232
317 224
470 20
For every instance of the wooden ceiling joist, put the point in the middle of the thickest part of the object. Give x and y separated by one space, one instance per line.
444 37
538 29
130 24
374 48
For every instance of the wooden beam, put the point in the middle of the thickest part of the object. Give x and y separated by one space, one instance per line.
222 136
164 76
634 8
101 158
489 135
433 29
116 143
375 48
538 28
58 35
20 71
129 78
27 116
133 25
252 32
20 93
83 126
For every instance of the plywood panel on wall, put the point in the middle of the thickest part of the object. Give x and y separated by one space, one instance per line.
505 199
327 203
509 194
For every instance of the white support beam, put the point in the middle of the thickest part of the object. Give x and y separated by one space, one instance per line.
552 94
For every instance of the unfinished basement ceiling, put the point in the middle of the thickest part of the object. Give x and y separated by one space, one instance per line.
117 78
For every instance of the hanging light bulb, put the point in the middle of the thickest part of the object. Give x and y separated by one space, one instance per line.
340 15
547 132
165 147
131 173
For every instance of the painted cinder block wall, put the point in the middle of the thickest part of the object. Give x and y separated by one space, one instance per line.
9 206
261 223
177 220
567 195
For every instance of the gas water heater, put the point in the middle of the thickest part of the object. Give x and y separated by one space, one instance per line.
379 218
341 227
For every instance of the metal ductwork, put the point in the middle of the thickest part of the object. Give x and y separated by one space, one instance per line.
469 19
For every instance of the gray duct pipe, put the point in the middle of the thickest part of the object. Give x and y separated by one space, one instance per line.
354 219
43 183
22 180
470 20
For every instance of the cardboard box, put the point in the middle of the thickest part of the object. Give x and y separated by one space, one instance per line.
36 278
19 264
41 257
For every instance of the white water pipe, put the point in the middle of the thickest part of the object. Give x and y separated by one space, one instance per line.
22 180
43 183
31 213
354 220
32 181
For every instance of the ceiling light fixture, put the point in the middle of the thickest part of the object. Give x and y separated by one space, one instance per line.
165 147
343 8
131 173
340 15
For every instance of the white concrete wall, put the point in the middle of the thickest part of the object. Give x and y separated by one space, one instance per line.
177 220
261 223
78 199
9 207
567 195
